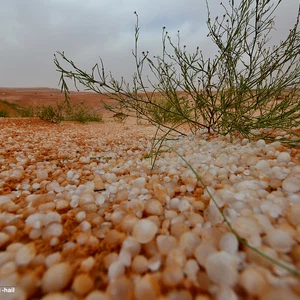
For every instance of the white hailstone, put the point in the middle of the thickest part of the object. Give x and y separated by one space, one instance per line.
172 275
188 241
125 257
226 293
154 263
280 240
264 221
6 198
111 177
245 141
166 243
7 269
183 205
82 284
87 264
145 287
115 270
52 259
10 230
221 268
25 254
246 227
82 238
261 143
4 238
131 245
213 215
191 269
291 184
57 277
53 229
283 157
139 264
52 217
176 257
293 214
100 199
253 281
139 182
203 251
42 174
173 203
55 296
269 208
144 230
154 207
112 189
96 295
85 226
117 216
36 186
264 167
35 220
80 216
61 204
229 243
221 161
14 247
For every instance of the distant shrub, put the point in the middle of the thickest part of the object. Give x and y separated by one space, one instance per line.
78 112
51 113
4 113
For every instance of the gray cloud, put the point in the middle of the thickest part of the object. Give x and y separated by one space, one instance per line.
32 31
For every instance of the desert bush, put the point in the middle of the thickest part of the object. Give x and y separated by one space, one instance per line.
238 90
4 113
80 113
27 112
51 113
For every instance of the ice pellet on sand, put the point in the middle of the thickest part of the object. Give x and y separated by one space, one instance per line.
144 231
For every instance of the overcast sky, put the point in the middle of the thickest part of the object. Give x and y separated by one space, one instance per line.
31 31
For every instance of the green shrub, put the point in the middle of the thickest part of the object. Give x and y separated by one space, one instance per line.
80 113
51 113
4 113
27 112
239 89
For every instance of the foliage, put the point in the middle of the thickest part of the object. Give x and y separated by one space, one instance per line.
51 113
4 113
80 113
247 85
67 111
